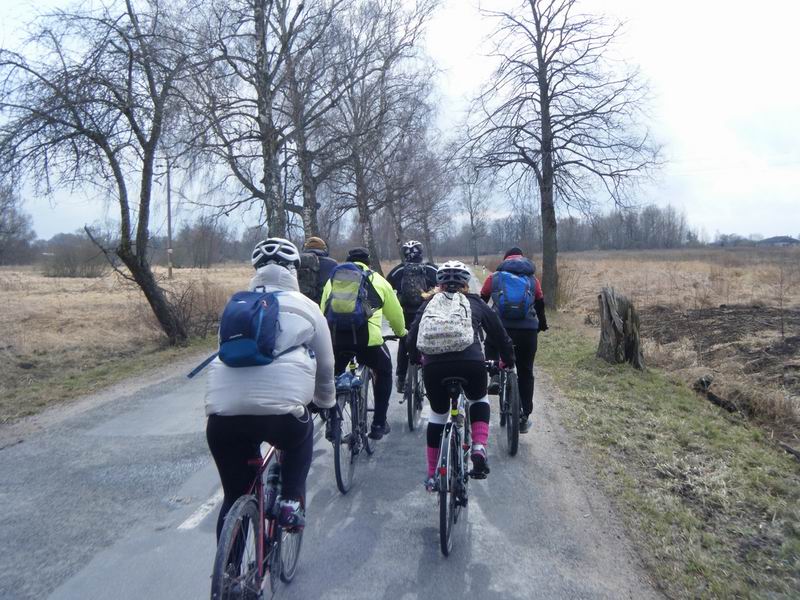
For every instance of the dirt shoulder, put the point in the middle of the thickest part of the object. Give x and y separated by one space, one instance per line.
710 502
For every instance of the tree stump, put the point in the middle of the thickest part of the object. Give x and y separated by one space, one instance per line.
619 330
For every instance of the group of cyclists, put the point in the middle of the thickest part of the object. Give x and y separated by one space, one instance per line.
315 314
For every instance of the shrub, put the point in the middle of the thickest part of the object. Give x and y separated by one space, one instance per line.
70 255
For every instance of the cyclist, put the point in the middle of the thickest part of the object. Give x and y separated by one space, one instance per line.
250 405
315 268
411 279
365 342
523 326
447 360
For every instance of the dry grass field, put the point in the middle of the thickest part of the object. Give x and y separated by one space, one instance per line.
64 337
733 313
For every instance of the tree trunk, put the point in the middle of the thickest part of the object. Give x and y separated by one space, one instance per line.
397 225
619 330
310 222
473 238
165 313
362 204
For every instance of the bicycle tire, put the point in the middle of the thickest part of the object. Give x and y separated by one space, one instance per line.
448 489
501 397
229 580
343 463
412 397
366 405
291 542
273 563
512 429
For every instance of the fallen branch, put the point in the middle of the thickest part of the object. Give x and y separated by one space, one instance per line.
702 385
790 450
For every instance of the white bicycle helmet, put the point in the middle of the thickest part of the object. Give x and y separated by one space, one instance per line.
453 273
412 249
275 250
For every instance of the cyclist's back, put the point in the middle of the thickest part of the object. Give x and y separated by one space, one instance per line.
268 403
464 360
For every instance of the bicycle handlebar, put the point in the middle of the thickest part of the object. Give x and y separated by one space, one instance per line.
392 338
495 366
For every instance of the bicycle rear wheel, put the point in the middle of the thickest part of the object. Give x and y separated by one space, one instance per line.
290 553
366 406
512 422
448 488
235 574
344 438
413 397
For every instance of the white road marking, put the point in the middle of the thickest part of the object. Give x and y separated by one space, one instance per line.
201 513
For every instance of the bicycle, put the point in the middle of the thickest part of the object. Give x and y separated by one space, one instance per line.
509 400
414 395
253 549
452 475
349 416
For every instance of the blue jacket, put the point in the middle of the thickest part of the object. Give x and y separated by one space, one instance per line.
326 265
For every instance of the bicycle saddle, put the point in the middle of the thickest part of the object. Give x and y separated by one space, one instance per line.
454 385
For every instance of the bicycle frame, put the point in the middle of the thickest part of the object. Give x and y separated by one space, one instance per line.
257 489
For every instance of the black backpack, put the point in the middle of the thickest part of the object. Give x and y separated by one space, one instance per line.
308 276
413 285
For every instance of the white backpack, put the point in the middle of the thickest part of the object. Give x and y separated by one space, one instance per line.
446 325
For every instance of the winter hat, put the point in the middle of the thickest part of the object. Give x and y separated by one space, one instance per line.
315 243
513 252
358 255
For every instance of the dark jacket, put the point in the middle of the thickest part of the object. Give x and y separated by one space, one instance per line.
519 265
326 265
483 319
395 279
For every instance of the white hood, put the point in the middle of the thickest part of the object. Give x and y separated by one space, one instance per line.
275 277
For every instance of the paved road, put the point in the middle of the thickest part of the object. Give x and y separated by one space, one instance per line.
115 497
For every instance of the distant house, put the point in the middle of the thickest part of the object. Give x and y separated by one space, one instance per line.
779 241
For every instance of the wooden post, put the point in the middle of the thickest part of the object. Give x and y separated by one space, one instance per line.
619 330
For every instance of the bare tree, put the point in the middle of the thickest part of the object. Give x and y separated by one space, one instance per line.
561 112
16 231
474 197
88 108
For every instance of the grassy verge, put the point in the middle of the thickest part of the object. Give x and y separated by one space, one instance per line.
712 504
50 384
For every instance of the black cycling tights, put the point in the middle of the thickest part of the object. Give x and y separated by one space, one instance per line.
235 440
379 360
474 390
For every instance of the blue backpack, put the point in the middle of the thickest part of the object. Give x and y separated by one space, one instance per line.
512 295
248 329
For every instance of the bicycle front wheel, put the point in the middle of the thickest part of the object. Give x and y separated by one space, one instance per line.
290 553
236 572
344 439
512 405
366 406
448 488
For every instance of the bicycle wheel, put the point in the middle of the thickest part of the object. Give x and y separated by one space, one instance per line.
413 397
235 574
512 405
501 399
448 488
273 564
290 553
366 406
343 440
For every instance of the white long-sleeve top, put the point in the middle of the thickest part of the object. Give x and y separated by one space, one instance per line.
293 379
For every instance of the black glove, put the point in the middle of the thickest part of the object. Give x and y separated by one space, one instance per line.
538 306
314 409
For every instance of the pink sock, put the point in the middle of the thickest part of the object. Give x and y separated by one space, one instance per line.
480 433
433 458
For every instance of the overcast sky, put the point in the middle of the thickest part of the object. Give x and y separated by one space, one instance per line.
726 104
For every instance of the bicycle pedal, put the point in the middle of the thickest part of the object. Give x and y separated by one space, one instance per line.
478 475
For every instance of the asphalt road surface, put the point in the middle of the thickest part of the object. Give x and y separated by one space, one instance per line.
116 497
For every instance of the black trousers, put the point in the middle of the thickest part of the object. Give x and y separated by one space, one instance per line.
379 360
525 342
235 440
402 352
